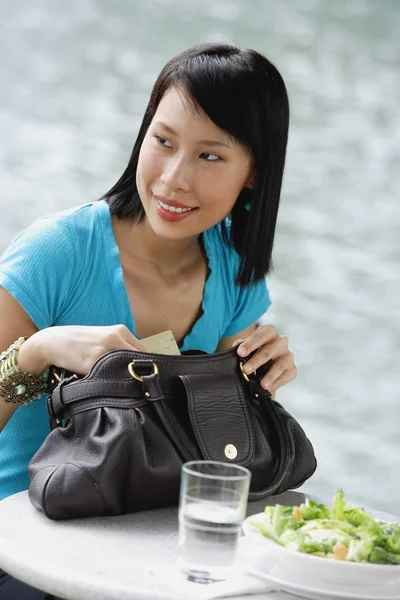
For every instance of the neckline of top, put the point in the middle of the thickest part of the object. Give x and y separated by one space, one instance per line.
118 288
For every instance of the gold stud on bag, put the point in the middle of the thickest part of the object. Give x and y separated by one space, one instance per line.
17 387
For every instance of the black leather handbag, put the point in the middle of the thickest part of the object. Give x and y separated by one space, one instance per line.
121 433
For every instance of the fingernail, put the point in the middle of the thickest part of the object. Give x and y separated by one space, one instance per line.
266 383
248 368
242 351
237 342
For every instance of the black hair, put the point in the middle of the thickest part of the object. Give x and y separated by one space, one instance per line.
243 93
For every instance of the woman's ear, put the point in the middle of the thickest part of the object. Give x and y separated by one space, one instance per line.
251 180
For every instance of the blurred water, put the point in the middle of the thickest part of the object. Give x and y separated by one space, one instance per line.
75 80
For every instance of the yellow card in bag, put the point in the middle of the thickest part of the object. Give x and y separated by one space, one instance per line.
161 343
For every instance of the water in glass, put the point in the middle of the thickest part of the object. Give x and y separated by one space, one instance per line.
208 536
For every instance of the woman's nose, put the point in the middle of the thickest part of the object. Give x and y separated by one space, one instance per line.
176 175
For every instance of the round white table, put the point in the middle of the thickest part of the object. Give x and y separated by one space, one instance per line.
107 558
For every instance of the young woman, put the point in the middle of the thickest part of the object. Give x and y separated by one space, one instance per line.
183 241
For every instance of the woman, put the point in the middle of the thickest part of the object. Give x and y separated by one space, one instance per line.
183 241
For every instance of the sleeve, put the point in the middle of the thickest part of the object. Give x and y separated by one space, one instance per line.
252 302
37 267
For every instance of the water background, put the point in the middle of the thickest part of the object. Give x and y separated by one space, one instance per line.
75 78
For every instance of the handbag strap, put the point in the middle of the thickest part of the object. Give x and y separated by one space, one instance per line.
286 448
90 394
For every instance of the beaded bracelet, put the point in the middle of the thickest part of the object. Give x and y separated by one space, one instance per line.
17 387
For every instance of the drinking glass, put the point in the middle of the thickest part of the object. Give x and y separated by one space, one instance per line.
212 507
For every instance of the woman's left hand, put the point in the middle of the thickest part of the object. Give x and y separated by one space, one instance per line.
267 345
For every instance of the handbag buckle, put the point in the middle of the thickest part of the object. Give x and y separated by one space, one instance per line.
133 373
245 377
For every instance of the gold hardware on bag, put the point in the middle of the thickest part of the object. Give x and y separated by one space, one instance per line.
244 374
135 375
56 375
230 451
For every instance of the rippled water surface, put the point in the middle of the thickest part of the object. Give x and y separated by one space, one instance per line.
75 79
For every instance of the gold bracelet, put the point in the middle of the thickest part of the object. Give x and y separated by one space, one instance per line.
17 387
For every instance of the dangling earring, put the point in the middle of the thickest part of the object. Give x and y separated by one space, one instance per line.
249 194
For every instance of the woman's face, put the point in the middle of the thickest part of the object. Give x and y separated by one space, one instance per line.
190 172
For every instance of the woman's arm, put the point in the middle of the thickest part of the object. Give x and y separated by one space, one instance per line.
15 323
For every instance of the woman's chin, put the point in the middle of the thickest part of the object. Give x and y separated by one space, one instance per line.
168 230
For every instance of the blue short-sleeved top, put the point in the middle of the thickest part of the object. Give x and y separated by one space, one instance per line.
65 270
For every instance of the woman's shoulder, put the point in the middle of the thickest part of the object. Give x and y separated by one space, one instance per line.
80 217
62 227
62 237
44 265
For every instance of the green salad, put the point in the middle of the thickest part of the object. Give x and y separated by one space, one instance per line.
344 533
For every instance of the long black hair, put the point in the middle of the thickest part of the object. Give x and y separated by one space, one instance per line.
243 93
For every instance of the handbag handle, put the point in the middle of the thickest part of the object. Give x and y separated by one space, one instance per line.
264 399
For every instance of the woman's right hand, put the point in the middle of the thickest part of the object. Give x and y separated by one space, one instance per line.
76 348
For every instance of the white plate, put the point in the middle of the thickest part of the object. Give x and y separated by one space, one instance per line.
325 570
265 566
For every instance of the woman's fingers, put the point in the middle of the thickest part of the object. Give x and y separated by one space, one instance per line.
282 370
286 376
267 345
130 339
261 336
119 337
267 352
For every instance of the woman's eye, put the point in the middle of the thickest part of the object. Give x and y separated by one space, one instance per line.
210 157
207 156
163 141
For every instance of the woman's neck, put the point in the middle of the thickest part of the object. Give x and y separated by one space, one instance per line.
137 241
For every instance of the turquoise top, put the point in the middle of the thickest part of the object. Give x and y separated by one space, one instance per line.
65 270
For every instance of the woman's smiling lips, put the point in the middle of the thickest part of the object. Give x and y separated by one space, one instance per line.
169 210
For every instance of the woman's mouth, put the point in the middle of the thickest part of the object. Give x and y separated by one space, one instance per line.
172 212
